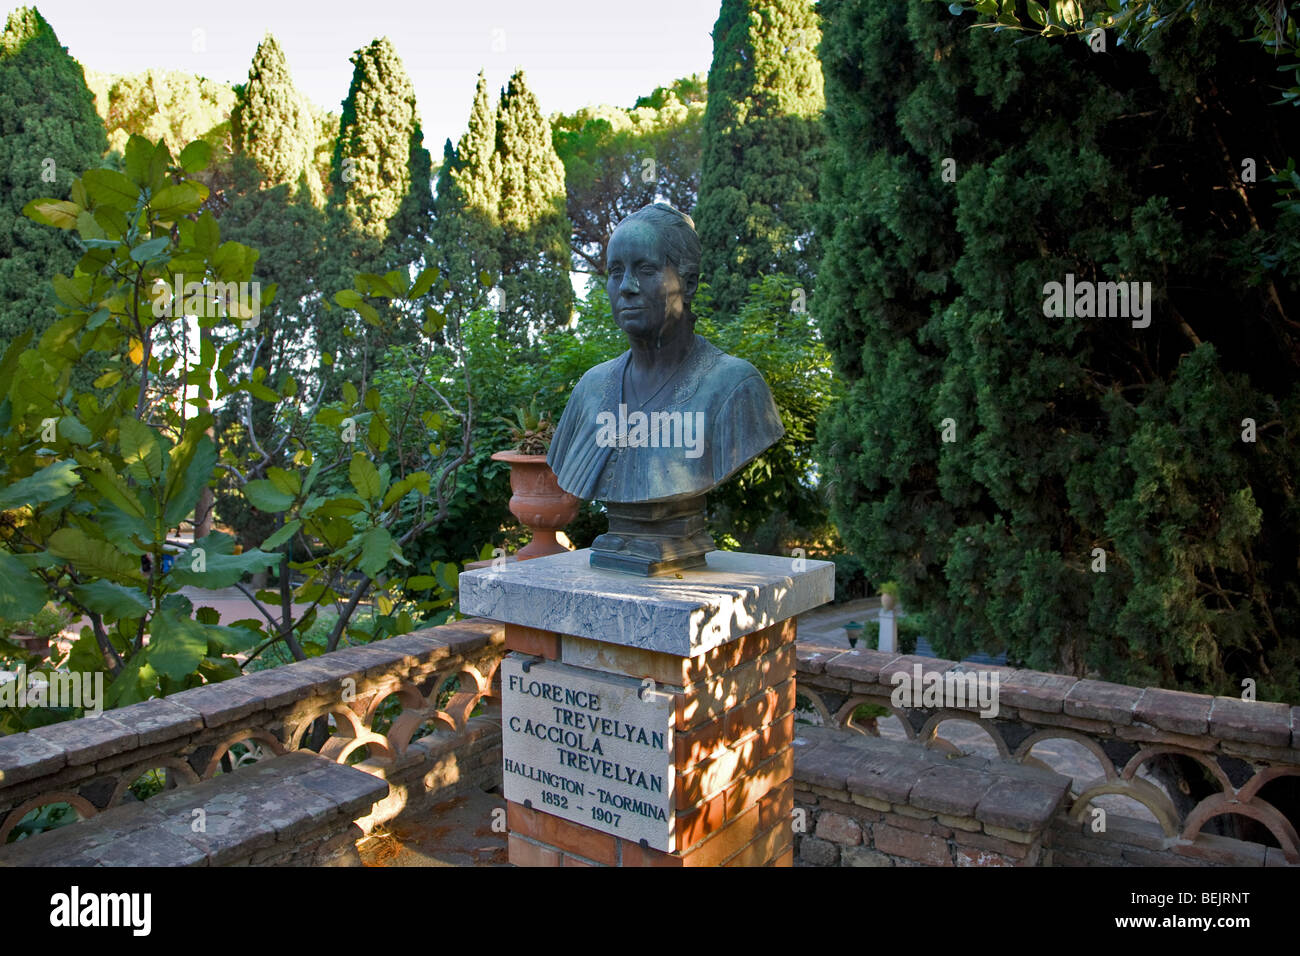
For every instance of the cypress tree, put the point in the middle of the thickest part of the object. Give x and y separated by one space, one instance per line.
380 176
466 233
759 175
271 123
381 198
529 179
1080 491
49 135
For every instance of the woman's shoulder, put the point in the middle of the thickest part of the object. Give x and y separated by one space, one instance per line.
598 375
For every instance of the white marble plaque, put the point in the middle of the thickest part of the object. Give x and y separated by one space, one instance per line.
584 746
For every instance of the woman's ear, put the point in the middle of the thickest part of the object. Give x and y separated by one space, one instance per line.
690 284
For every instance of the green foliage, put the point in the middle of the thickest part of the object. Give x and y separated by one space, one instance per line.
530 430
271 122
963 173
466 231
48 131
96 481
529 179
776 501
380 205
761 132
618 160
379 155
170 105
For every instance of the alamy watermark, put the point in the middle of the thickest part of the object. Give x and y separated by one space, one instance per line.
1086 299
74 690
653 430
951 690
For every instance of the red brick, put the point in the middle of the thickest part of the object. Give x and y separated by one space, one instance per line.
969 856
738 760
530 640
776 804
918 825
693 826
574 861
710 699
765 846
723 844
523 853
560 833
983 841
838 829
733 653
754 786
910 845
634 855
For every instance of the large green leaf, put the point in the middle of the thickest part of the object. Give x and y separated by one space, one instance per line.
22 594
58 213
195 157
376 549
10 361
141 450
107 187
192 461
113 601
51 482
172 202
417 480
264 496
176 644
137 681
282 535
122 529
150 249
364 476
109 484
210 564
91 555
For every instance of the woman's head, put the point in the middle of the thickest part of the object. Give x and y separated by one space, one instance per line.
654 267
681 244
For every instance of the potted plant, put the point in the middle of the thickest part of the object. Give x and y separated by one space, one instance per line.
536 499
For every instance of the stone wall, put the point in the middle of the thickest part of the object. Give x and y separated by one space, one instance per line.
870 801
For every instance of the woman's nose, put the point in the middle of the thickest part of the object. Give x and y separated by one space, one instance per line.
629 284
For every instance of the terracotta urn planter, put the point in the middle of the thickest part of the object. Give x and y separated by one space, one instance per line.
538 502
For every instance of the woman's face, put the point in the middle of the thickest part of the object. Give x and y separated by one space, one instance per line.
646 293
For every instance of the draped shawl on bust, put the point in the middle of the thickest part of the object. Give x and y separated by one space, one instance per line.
740 423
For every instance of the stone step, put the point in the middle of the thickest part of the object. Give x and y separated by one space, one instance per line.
298 808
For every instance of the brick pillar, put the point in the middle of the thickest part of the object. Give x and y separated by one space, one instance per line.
733 722
652 723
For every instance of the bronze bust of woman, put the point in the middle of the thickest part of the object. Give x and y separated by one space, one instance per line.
652 431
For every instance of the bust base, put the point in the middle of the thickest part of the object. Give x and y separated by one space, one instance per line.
649 539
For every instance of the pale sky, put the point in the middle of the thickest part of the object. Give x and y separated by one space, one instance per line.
574 54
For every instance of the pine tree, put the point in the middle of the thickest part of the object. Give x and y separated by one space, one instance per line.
529 178
271 123
49 134
759 175
1081 492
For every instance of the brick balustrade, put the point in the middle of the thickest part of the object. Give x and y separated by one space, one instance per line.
857 799
908 815
197 734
